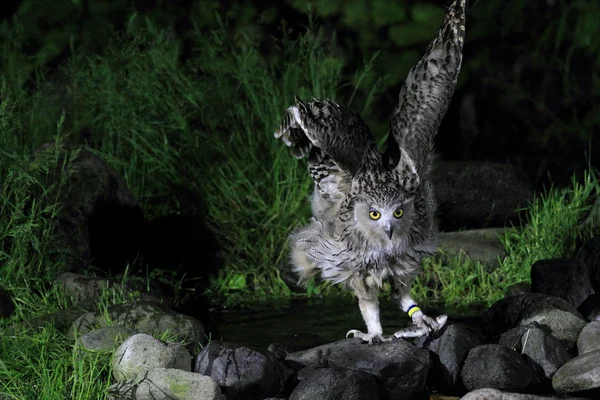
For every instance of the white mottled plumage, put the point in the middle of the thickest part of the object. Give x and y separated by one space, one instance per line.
373 214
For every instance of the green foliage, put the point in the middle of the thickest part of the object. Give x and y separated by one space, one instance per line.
552 230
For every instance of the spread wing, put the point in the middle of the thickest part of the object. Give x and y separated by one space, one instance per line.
335 140
426 93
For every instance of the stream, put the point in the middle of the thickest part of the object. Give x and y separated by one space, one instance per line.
304 323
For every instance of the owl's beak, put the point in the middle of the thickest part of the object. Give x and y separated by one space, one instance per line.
390 232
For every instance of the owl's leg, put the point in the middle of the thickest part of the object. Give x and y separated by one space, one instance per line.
368 302
423 324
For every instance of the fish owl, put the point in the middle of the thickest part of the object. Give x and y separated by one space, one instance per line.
373 213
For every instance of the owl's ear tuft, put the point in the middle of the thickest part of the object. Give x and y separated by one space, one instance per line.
407 173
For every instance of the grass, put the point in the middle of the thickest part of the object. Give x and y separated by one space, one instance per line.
552 230
192 137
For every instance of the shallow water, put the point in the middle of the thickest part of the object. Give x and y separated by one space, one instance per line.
302 324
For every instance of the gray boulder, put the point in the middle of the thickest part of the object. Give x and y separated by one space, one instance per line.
498 367
171 384
145 317
495 394
561 317
452 348
564 278
105 339
589 338
241 372
580 374
542 349
481 245
335 383
141 353
400 367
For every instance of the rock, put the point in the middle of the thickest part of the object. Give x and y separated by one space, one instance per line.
495 394
564 278
481 245
517 289
87 289
400 367
171 384
544 353
452 348
145 317
105 339
580 374
241 372
141 353
561 317
99 219
498 367
589 338
539 347
590 309
589 257
479 194
81 288
336 383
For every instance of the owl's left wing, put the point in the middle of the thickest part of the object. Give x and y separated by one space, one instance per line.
335 140
426 93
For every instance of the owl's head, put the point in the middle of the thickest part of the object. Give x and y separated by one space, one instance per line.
384 205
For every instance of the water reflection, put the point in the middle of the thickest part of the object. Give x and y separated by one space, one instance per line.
305 323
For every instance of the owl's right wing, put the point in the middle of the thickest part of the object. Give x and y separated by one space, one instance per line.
426 93
335 140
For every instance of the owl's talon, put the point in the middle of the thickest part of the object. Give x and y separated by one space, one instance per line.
423 325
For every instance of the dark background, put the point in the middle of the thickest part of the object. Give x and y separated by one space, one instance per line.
528 92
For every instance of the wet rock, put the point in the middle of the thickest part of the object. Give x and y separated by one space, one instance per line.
336 383
479 194
564 278
589 338
169 384
241 372
495 394
141 353
580 374
498 367
145 317
544 353
481 245
105 339
542 349
452 348
400 367
561 317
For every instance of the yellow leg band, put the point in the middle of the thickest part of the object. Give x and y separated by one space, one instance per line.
413 310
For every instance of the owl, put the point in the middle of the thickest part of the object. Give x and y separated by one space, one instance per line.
373 213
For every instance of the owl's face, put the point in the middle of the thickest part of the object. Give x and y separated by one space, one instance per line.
384 220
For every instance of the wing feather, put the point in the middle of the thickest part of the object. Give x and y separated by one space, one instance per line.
426 93
335 140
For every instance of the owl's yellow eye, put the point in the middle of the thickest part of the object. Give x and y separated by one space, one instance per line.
375 215
398 213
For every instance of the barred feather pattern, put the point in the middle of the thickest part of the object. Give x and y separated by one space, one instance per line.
374 214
